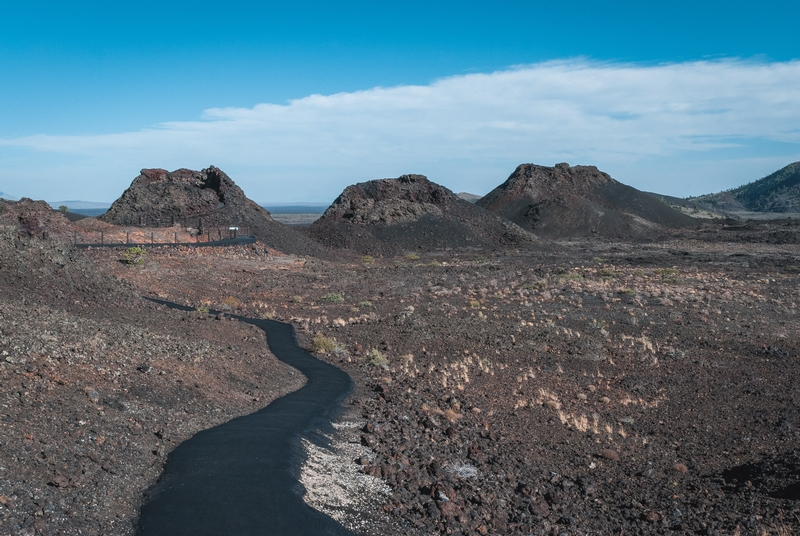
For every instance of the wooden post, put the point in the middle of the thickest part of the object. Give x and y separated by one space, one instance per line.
151 237
176 237
101 237
127 237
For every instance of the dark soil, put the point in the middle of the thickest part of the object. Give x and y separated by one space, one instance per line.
98 386
600 388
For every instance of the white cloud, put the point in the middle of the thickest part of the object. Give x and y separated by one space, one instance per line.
470 131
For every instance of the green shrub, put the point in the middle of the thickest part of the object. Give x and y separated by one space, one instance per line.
134 255
367 259
411 257
297 299
322 345
666 271
376 358
365 304
607 273
332 298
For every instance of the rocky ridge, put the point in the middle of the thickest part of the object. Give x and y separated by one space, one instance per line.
579 201
778 193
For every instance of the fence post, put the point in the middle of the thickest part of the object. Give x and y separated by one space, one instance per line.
101 238
127 237
151 238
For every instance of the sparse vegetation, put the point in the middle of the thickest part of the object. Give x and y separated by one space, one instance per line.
411 257
134 255
364 304
665 271
368 259
376 358
607 273
63 208
297 299
321 344
232 301
332 298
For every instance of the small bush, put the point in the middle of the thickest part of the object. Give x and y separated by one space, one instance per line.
364 304
367 259
411 257
666 271
202 310
332 298
297 299
474 303
627 292
134 255
674 281
232 301
321 344
607 273
376 358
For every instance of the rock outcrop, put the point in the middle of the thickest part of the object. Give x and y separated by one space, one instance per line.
201 200
410 213
37 219
579 201
159 198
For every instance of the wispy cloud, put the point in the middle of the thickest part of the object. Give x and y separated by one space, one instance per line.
470 131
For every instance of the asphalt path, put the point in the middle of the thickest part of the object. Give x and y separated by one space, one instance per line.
240 478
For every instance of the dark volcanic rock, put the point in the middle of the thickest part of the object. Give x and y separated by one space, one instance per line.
201 199
389 216
35 218
564 201
208 197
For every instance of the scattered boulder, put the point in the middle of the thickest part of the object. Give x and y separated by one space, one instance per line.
579 201
410 213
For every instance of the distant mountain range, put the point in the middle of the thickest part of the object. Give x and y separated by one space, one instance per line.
4 195
75 204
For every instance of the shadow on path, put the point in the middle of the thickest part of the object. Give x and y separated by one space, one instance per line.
239 478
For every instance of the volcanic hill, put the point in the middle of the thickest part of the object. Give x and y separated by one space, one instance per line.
36 218
574 201
778 192
201 199
410 213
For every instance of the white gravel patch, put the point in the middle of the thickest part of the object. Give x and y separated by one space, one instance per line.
336 486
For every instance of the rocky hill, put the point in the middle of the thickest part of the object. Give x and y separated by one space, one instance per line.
201 199
410 213
777 193
573 201
36 218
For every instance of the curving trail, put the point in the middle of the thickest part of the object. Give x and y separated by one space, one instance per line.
237 478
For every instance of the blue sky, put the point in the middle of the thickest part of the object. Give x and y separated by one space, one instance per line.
297 100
